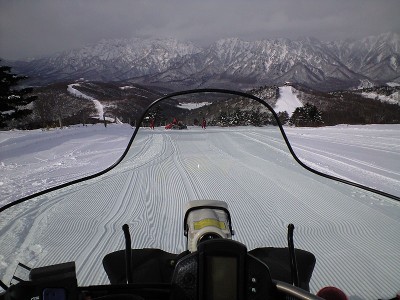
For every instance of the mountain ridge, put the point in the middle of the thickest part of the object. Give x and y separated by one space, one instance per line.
229 62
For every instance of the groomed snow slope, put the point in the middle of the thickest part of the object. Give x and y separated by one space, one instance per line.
97 104
99 107
366 154
287 100
31 161
355 235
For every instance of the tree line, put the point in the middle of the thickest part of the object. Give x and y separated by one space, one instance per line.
305 116
13 101
19 108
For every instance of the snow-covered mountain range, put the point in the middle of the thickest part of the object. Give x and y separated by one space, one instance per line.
228 62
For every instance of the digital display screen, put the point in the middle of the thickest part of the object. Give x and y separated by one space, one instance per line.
221 278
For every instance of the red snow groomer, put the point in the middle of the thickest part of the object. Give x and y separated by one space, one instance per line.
176 125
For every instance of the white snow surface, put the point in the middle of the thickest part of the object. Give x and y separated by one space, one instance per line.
126 87
97 104
191 106
99 107
287 100
354 234
365 83
31 161
393 98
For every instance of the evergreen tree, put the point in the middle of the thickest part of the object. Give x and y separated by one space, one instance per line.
237 118
283 117
156 114
223 119
13 101
255 118
308 115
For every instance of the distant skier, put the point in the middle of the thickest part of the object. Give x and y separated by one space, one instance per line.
152 124
203 124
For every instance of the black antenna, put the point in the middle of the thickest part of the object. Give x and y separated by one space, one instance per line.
128 254
292 255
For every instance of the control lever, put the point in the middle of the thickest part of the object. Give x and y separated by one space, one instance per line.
128 254
292 256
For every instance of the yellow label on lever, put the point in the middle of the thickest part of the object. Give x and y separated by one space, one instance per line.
209 222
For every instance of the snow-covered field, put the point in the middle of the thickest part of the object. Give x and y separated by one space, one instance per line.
354 234
31 161
366 154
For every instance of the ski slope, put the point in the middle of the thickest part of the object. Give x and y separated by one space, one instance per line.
355 235
99 107
287 100
97 104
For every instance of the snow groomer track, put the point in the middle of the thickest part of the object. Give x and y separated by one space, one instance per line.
354 234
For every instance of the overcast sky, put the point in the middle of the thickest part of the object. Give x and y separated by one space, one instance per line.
30 28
